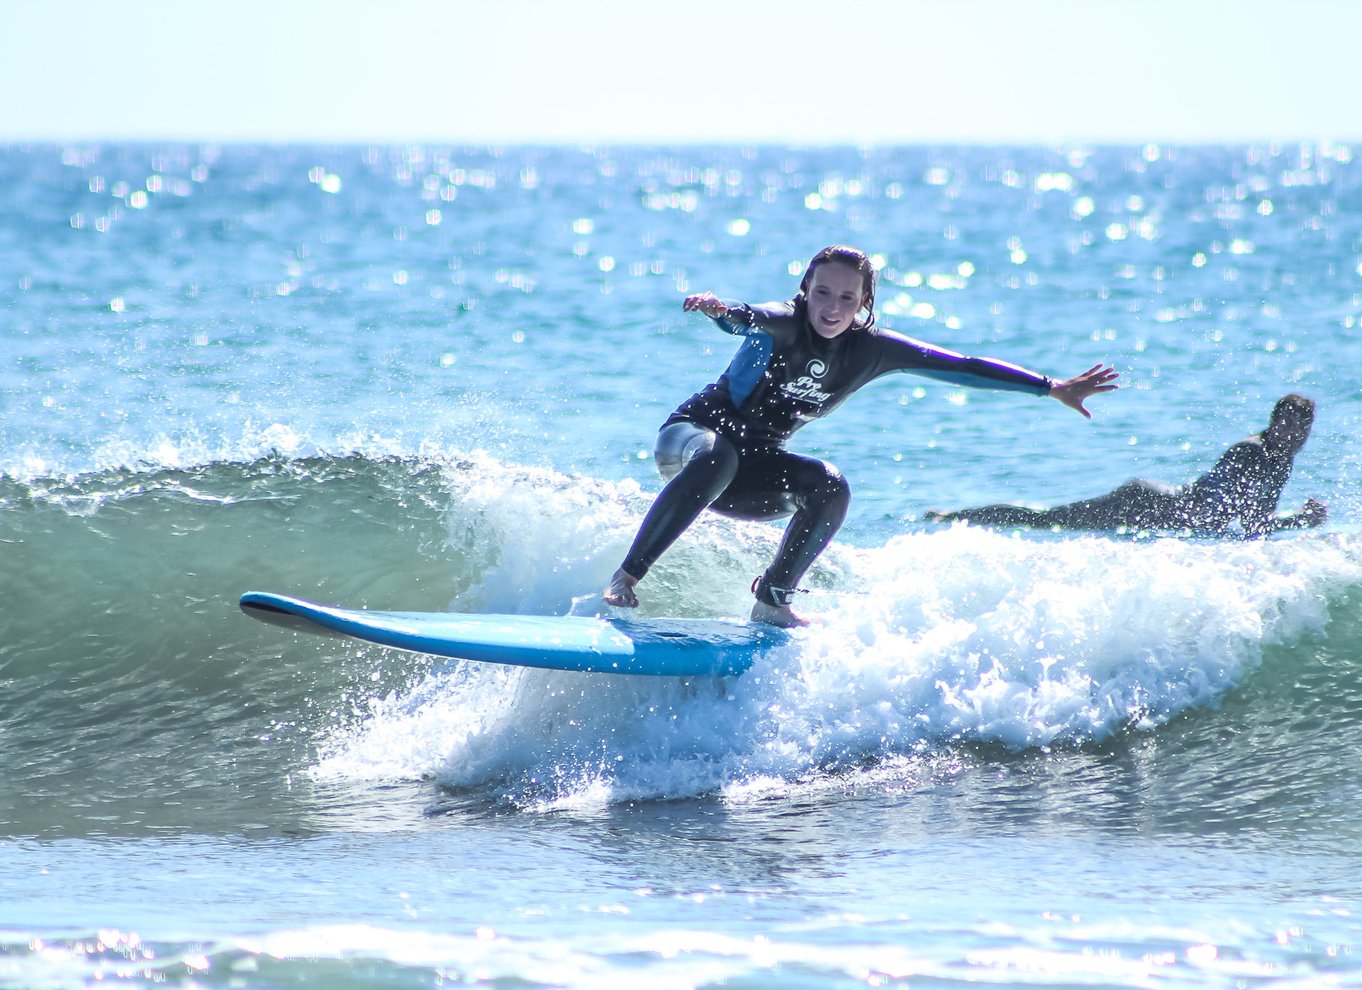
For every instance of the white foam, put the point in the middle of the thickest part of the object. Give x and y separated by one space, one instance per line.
959 635
549 541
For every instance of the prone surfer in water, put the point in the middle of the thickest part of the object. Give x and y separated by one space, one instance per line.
724 447
1244 486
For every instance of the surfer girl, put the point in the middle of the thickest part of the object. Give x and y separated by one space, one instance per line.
724 447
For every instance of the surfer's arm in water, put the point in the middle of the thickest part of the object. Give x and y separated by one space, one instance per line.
1312 513
1258 515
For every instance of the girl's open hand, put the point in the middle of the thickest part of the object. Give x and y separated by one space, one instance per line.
707 303
1073 392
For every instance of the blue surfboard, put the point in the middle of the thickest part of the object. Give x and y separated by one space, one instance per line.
658 647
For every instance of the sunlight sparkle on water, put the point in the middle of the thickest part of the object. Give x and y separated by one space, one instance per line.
326 181
1054 181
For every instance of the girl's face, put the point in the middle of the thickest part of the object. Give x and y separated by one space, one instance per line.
835 295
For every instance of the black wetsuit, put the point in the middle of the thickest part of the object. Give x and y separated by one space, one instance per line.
724 447
1244 486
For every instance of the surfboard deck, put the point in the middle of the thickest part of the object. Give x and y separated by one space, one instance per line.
654 647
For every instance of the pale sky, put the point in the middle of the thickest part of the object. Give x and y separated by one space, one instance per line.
612 71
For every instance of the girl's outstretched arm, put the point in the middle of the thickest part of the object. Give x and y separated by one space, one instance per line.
732 317
1074 391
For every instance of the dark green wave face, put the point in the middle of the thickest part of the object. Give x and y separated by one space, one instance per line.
134 687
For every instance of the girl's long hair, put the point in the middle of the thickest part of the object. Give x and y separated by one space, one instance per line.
855 258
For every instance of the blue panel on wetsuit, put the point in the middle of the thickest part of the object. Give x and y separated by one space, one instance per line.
747 366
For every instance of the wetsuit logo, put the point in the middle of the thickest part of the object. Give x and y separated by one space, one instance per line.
817 368
805 389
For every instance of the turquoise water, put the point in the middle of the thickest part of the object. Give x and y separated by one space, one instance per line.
419 378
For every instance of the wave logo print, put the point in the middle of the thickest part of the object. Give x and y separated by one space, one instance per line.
817 368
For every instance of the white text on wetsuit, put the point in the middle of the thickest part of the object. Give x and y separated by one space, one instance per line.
806 389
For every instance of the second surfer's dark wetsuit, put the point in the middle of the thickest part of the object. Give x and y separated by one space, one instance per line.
724 447
1244 486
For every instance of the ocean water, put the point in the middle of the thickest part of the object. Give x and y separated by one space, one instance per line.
429 378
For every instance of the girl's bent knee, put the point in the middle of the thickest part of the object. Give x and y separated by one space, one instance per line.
835 487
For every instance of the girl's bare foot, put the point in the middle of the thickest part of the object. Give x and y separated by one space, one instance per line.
776 615
621 590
